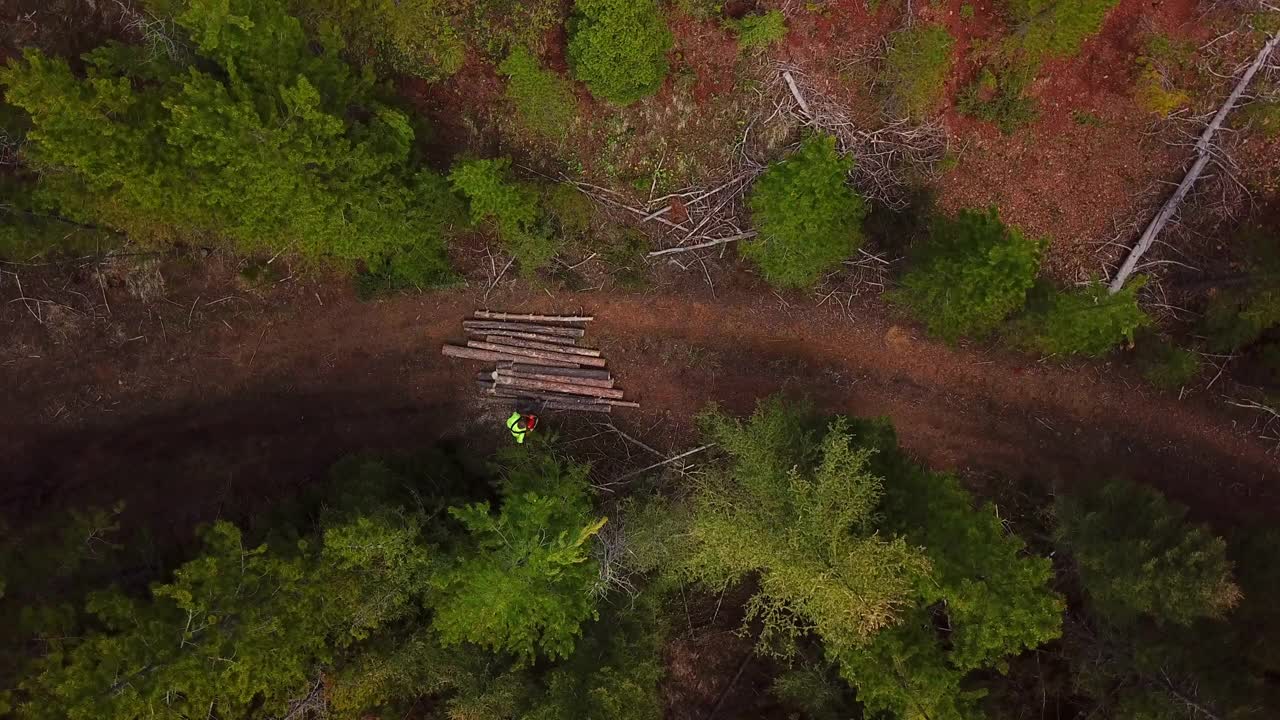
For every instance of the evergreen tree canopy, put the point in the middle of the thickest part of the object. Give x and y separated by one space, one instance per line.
808 218
907 586
972 272
255 137
523 580
1138 556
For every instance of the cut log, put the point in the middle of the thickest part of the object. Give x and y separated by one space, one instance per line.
524 327
489 388
589 382
523 367
560 387
540 355
486 315
554 404
554 339
532 345
467 353
508 391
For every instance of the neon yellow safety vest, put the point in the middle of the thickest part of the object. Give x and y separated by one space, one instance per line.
516 425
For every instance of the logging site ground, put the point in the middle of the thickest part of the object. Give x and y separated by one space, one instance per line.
213 290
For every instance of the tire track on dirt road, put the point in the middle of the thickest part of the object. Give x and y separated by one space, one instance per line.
290 388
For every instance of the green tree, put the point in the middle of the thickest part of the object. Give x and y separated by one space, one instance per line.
1137 555
522 580
614 670
909 588
757 32
543 100
238 627
415 37
972 272
997 599
619 48
1089 321
156 148
916 67
1239 316
808 218
511 205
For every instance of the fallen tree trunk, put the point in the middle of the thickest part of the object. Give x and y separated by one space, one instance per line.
1203 155
560 387
541 355
709 243
522 367
486 315
534 345
553 339
551 377
467 353
524 327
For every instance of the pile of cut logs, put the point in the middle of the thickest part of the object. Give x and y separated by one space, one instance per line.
538 358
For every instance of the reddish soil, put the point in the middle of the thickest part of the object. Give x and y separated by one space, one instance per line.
219 393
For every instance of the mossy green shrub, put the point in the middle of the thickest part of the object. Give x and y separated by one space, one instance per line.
1046 28
757 32
618 48
1088 321
414 37
999 96
916 67
512 207
543 100
1166 365
807 216
971 273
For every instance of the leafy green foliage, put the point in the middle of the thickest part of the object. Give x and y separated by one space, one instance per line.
757 32
511 205
1056 27
813 690
523 580
1161 66
916 67
852 543
1165 365
1239 317
1088 321
415 37
798 510
808 218
999 96
1130 655
572 211
386 602
1263 116
998 601
543 100
613 673
1044 29
618 48
275 614
972 272
1138 556
156 149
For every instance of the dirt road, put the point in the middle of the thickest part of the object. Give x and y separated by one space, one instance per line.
197 403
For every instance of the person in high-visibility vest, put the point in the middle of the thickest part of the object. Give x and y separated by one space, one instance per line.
521 424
